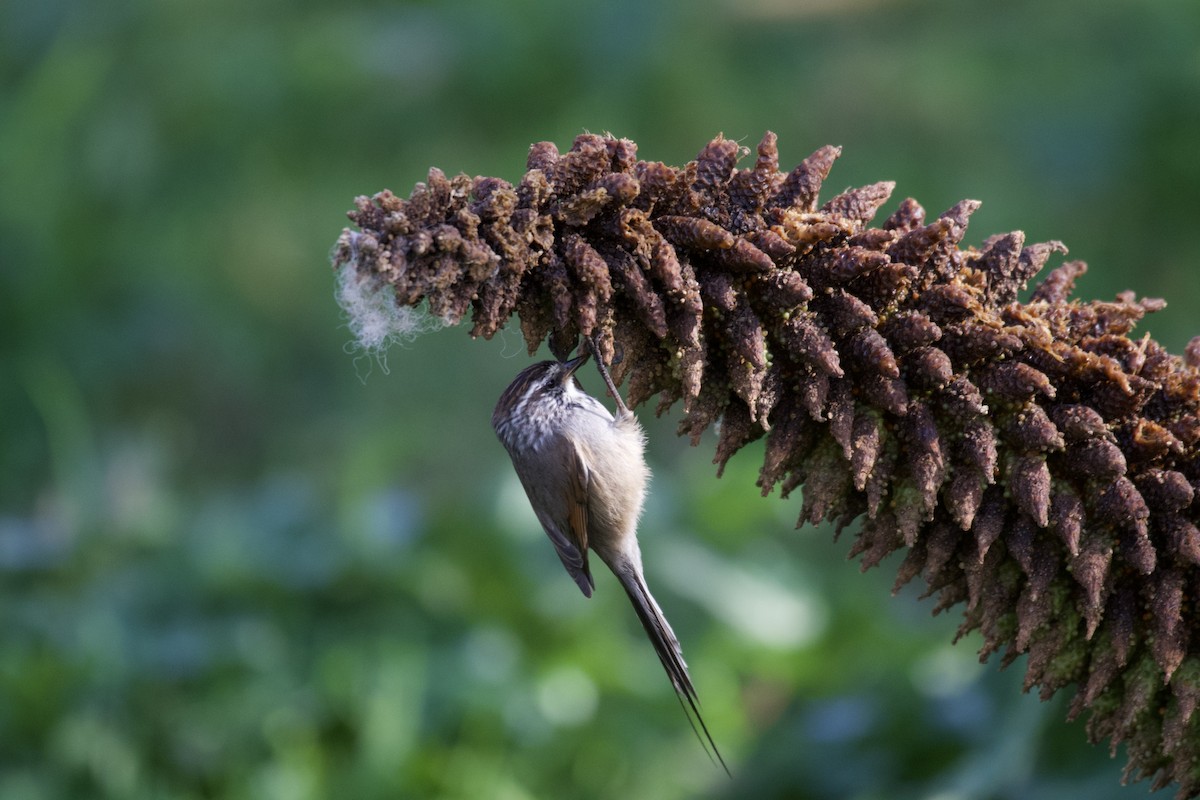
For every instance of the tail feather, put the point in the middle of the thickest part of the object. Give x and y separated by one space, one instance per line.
669 653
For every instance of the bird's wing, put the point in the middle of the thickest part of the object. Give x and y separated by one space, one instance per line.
578 478
567 528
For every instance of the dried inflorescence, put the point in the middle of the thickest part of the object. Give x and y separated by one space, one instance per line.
1034 460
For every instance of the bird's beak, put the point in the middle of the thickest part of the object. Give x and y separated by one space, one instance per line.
574 364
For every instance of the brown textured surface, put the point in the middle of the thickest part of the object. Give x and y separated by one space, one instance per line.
1035 461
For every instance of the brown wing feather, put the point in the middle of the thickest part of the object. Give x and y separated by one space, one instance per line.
561 506
577 504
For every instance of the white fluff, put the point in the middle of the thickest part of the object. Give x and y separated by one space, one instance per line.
373 315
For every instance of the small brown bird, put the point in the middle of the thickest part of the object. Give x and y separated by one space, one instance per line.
585 474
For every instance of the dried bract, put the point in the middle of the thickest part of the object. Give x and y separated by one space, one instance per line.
1036 462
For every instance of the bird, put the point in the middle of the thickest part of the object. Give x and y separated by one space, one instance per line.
584 471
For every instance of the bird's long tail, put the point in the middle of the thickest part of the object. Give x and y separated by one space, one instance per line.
669 652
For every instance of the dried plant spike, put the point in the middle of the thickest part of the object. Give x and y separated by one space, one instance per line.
1038 462
1191 353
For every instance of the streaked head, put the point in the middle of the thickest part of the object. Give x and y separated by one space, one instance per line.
538 391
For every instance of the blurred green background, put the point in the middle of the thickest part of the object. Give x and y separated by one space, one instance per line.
238 561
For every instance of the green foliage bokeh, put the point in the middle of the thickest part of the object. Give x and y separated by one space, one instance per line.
237 560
